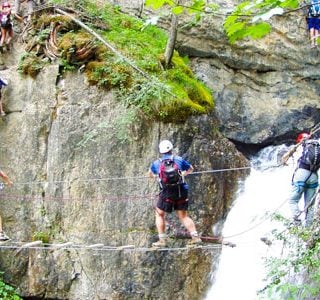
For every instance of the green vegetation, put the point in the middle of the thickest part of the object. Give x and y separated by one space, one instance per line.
7 292
41 236
296 273
170 95
123 122
30 64
250 18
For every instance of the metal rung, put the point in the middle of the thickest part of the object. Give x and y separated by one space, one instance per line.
64 245
95 246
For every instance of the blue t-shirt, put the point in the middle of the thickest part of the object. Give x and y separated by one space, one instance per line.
2 84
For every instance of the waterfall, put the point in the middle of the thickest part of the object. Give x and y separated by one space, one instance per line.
241 270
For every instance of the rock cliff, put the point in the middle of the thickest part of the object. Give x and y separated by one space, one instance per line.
265 90
79 177
79 170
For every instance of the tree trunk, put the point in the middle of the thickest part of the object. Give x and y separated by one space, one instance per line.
171 41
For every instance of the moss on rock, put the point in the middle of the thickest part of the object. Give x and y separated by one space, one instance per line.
170 95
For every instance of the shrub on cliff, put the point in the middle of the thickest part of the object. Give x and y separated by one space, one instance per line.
170 95
7 292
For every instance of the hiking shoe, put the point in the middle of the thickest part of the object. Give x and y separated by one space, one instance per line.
2 114
160 244
195 241
3 237
266 241
296 222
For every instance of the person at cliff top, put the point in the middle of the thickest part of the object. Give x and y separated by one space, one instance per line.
3 83
6 179
6 26
305 178
171 170
313 20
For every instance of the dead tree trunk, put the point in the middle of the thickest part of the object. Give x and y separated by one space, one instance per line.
171 41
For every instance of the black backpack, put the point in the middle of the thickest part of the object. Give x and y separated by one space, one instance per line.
169 172
311 155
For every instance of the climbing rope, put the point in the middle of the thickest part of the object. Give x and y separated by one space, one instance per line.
145 196
127 177
258 224
38 245
150 196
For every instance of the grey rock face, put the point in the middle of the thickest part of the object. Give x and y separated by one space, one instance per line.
265 90
80 176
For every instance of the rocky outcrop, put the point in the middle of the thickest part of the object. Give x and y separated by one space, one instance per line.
265 90
78 166
79 163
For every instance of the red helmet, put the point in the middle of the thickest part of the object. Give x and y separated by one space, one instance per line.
6 4
302 136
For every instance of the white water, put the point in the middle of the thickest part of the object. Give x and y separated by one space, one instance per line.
241 269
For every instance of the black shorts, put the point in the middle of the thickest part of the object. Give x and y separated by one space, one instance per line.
173 198
7 26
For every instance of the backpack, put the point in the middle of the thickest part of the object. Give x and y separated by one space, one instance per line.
314 9
311 155
169 173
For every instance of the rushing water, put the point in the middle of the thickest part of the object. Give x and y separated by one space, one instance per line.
241 269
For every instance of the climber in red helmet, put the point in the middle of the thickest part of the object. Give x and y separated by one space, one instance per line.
302 136
305 178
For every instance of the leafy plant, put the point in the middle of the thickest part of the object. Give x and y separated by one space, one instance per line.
124 123
30 64
41 236
109 74
66 66
295 274
196 7
250 18
93 134
43 35
119 128
7 292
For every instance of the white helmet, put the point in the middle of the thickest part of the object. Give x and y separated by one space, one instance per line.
165 146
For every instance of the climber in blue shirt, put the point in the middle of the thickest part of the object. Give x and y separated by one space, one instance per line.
313 20
170 170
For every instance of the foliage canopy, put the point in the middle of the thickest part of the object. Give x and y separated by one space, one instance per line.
249 19
295 274
7 292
